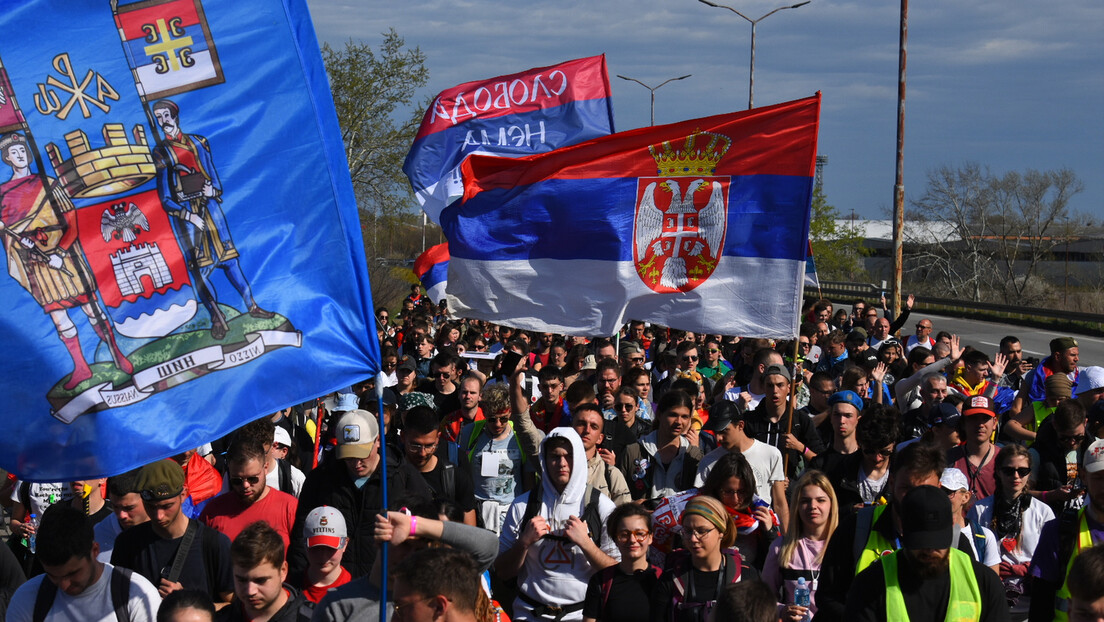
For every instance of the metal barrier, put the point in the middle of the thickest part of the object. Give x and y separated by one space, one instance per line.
840 291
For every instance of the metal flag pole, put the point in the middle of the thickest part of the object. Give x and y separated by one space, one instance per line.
383 488
790 405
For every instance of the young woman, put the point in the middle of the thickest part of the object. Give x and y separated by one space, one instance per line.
576 360
814 515
732 482
1016 518
622 592
696 575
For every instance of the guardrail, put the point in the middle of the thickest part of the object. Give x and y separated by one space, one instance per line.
843 292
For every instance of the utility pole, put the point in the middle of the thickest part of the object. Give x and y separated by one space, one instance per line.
899 183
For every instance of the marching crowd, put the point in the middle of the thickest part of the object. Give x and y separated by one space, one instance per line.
858 472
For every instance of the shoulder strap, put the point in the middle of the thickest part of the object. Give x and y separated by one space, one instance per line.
532 506
44 600
864 522
592 516
606 583
979 540
283 477
120 593
476 430
182 551
733 567
448 481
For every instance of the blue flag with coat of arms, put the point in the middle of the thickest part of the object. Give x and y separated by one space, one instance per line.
182 246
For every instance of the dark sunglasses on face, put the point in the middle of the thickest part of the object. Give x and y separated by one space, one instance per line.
624 407
885 453
238 481
1071 438
1021 471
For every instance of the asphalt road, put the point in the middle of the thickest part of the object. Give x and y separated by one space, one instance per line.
986 336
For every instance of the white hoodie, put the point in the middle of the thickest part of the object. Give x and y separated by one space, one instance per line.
556 572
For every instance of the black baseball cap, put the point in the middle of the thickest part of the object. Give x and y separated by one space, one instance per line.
926 519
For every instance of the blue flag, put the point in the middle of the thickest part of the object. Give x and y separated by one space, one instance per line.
182 245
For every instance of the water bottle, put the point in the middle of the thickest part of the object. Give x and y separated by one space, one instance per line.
802 596
34 535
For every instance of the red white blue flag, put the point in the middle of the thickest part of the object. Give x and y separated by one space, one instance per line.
530 112
700 225
431 268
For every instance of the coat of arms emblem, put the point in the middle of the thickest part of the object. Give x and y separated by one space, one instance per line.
682 214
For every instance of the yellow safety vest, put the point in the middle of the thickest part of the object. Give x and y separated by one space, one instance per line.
1084 541
965 602
876 546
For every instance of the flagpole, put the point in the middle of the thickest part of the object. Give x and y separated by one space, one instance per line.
383 490
790 405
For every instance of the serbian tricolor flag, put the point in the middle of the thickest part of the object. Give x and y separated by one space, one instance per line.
534 111
811 278
700 225
431 268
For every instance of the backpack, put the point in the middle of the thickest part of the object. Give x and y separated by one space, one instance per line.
683 597
120 596
590 516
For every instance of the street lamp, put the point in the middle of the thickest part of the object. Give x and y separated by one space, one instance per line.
653 89
751 76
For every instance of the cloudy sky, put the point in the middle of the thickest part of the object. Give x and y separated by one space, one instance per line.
1010 84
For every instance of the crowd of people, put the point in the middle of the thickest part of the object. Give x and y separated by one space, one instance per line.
852 473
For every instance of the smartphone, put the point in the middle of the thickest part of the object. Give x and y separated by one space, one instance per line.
509 364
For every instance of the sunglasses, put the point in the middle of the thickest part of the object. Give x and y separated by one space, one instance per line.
689 358
1071 438
443 374
1021 471
714 351
885 453
499 419
636 534
624 407
252 479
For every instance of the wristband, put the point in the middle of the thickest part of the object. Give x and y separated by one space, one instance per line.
413 525
805 452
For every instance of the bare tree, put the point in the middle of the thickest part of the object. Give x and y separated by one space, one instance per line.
1032 208
949 249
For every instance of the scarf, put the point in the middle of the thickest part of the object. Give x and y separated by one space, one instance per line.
1008 514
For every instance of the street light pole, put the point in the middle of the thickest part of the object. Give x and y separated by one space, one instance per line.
653 89
753 22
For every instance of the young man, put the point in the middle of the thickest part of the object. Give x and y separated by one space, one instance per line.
608 375
549 411
926 580
554 553
152 549
260 572
471 388
768 422
495 456
1055 457
833 360
279 473
977 456
663 462
985 546
76 585
442 383
627 406
1063 359
126 503
250 498
421 445
845 408
352 483
973 377
327 538
729 426
437 585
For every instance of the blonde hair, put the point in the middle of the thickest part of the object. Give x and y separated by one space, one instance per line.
793 528
713 511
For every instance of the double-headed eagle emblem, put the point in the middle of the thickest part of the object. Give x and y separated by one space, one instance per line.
677 244
123 221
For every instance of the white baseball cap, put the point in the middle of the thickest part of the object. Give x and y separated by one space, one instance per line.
281 436
357 431
1094 457
1090 379
325 526
953 479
